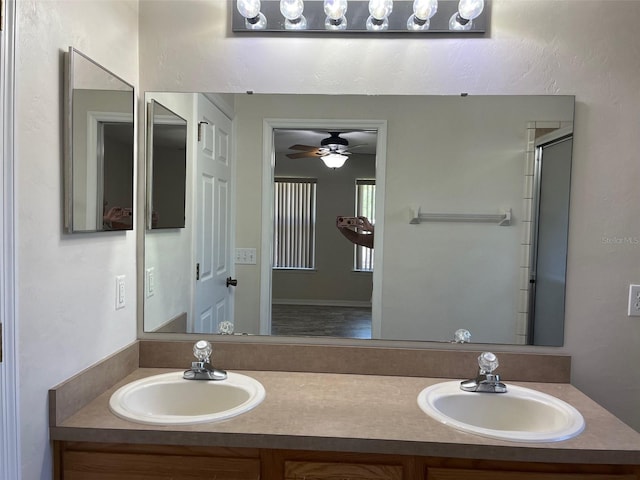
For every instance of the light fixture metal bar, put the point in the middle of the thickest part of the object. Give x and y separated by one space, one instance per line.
357 14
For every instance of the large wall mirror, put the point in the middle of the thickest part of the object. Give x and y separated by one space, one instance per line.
100 144
469 197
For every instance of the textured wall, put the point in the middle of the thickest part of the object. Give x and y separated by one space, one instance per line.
587 48
66 317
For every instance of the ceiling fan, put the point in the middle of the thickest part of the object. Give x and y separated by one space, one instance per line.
334 144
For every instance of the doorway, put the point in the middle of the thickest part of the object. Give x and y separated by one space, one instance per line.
328 292
552 179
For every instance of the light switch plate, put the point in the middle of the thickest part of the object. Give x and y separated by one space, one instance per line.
245 256
120 292
150 282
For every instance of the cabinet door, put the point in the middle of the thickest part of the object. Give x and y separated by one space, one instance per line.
340 471
462 474
135 466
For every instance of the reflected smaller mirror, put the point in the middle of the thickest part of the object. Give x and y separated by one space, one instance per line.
167 167
99 147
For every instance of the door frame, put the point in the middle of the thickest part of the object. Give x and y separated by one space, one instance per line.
268 169
9 396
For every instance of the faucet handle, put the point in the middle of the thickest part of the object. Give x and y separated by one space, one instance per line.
487 362
202 350
462 336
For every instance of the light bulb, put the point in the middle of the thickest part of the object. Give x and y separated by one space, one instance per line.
339 24
425 9
249 8
335 9
375 25
291 9
470 9
380 9
259 22
299 23
456 23
416 24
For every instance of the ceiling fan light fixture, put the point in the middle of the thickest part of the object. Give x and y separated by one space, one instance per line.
334 160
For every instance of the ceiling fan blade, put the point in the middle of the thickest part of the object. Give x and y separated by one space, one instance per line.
306 148
313 154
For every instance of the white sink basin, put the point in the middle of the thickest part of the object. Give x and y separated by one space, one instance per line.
520 414
168 399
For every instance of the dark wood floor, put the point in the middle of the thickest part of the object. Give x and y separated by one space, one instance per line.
321 321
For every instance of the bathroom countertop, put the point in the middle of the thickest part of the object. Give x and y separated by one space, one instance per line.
356 413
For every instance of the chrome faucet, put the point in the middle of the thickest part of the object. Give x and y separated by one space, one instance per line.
486 381
202 369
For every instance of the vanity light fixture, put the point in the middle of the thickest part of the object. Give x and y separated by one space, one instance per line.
334 160
366 17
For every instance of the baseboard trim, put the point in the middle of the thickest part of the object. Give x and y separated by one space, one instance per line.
321 303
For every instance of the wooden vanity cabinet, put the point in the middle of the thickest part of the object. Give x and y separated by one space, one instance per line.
97 461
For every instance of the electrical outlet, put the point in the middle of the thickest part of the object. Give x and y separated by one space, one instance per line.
120 292
634 301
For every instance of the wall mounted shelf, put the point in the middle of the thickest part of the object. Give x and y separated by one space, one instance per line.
502 219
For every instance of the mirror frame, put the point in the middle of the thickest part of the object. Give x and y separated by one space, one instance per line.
69 78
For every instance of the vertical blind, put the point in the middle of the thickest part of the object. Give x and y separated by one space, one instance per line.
365 207
294 223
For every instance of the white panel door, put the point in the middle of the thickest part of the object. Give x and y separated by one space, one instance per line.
213 299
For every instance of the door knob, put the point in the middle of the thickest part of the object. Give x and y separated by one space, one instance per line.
232 282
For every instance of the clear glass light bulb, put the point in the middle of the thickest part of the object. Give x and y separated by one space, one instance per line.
299 23
291 9
332 24
335 9
380 9
259 22
425 9
470 9
455 25
375 25
249 8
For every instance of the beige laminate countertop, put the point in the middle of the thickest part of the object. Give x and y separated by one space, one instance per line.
357 413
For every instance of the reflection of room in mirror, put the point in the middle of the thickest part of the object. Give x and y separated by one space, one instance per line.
447 154
332 295
99 148
168 167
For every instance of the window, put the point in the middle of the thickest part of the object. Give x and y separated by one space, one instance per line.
294 223
366 207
